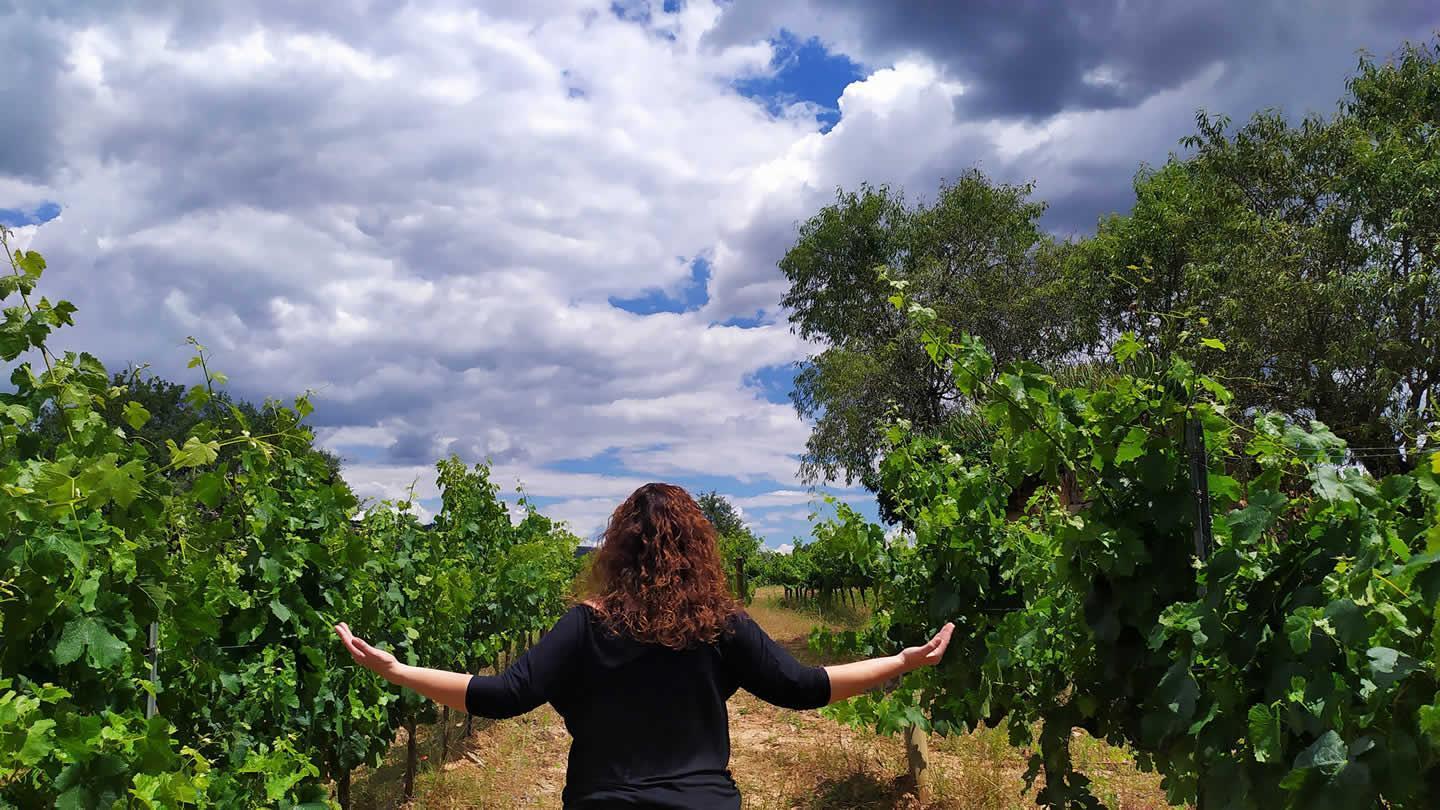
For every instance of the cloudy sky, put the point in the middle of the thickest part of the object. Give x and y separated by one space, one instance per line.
545 232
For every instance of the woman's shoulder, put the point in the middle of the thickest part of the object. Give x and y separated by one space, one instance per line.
587 611
738 622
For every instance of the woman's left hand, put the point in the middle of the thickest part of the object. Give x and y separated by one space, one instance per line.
376 660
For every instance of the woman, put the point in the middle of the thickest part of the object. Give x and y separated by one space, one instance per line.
642 669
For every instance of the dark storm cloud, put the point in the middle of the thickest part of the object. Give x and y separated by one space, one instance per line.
198 24
1076 213
413 447
1032 59
1123 79
471 449
32 60
1035 59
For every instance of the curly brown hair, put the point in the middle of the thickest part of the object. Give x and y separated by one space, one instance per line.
657 577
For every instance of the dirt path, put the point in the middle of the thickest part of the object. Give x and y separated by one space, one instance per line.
781 759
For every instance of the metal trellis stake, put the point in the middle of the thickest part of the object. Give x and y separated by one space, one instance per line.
1204 538
1199 488
153 653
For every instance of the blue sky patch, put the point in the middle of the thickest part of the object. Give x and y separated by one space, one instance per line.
606 463
689 297
774 382
804 70
39 215
573 88
637 11
742 321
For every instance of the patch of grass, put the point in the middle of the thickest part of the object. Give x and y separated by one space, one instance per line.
382 788
788 618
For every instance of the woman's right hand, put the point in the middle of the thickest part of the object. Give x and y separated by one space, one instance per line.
849 680
374 659
929 653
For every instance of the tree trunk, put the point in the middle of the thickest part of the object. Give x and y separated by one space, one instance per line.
342 789
917 753
410 761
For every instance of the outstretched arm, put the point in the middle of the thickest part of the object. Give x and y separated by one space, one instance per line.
849 680
446 688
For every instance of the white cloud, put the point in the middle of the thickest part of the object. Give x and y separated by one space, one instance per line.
585 516
422 211
795 515
898 534
794 497
417 220
20 238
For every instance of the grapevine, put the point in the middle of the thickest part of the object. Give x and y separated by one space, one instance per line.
1295 667
241 547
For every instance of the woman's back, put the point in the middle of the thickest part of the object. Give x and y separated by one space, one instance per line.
649 723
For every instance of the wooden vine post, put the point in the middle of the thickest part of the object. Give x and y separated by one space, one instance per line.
917 754
410 761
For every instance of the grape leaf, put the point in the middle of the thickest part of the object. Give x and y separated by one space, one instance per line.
1430 722
86 634
121 484
1246 525
1265 733
1126 348
39 742
195 453
1223 487
208 487
1327 754
1388 666
135 415
1132 447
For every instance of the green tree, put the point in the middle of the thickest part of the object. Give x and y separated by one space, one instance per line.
976 255
1307 250
721 513
739 546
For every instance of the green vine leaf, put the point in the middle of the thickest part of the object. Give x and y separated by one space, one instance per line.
1265 733
89 636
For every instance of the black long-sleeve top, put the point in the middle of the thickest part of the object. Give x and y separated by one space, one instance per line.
648 724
